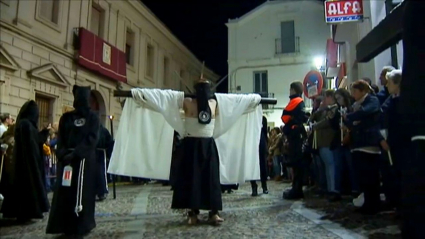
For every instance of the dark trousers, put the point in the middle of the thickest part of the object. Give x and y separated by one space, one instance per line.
367 167
295 144
101 176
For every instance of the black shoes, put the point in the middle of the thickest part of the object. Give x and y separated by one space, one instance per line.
293 195
335 197
254 191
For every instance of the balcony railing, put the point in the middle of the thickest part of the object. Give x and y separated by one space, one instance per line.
266 95
279 43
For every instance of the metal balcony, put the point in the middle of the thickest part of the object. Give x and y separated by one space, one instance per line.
279 43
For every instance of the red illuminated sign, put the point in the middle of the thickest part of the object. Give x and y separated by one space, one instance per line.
338 11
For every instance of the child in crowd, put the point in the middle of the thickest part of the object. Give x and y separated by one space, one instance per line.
47 163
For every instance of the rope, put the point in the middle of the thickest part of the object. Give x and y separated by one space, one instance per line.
79 205
106 177
1 167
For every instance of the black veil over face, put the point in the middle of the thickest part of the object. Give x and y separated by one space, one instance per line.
30 112
81 100
203 94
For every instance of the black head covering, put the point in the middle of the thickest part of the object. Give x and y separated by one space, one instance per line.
264 128
29 111
203 94
81 99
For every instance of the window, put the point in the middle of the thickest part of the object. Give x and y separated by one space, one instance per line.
45 106
167 71
261 83
49 9
129 47
150 63
96 24
287 37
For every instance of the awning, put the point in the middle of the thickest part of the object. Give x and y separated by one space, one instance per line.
386 34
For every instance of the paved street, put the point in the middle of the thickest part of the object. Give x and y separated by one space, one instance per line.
144 212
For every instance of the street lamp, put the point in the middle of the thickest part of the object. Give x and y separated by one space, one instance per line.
111 120
318 62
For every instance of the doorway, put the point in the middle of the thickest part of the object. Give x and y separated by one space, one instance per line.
97 104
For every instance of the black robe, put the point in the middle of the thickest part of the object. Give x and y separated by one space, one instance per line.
105 144
197 177
79 140
27 197
176 156
412 111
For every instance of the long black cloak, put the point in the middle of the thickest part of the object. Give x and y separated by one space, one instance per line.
77 140
105 144
27 198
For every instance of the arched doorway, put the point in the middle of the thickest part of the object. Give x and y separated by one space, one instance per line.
97 104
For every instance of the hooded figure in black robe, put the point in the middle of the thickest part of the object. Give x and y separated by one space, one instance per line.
27 197
105 145
73 206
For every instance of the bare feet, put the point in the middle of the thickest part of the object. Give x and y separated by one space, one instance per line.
192 220
216 220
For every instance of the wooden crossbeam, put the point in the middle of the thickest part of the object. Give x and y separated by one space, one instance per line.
127 94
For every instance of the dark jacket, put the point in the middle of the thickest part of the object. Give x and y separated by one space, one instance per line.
364 124
397 136
293 116
383 95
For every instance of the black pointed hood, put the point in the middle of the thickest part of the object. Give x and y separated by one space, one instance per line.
81 99
203 94
29 111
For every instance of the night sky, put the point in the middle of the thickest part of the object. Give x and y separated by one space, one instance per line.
200 25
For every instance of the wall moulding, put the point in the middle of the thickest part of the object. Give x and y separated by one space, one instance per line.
50 74
7 61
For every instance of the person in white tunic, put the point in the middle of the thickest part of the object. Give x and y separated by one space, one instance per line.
221 142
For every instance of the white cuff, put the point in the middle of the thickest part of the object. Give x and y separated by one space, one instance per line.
418 137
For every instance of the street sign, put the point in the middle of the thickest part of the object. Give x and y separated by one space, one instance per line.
339 11
313 84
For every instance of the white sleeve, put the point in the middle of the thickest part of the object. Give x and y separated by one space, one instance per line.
143 143
237 133
232 107
166 102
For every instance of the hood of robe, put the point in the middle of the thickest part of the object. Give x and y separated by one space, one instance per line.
29 111
203 94
81 99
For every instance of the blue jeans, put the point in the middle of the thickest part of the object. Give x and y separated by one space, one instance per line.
319 173
328 159
277 168
343 158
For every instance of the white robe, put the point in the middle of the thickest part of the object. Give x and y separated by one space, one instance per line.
143 145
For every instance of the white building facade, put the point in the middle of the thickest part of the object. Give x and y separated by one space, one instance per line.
274 45
347 35
38 54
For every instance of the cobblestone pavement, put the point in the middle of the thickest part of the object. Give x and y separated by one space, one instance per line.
144 212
